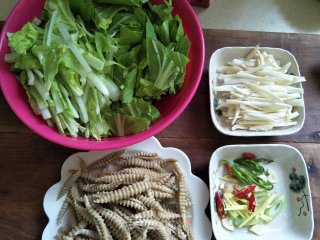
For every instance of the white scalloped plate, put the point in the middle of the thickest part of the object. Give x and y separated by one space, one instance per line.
199 192
296 221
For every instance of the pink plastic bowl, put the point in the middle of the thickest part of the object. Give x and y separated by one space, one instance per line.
170 107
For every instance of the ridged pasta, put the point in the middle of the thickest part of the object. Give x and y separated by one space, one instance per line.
68 183
170 207
166 215
122 212
176 231
132 203
144 171
183 203
150 202
148 214
154 225
74 193
87 233
124 178
98 221
117 225
91 178
141 155
136 162
166 162
71 232
104 161
170 183
162 195
162 188
96 187
132 195
139 234
82 213
123 193
63 209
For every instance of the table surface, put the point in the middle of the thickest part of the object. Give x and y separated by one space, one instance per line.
30 165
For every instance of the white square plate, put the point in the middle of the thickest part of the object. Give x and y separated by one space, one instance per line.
295 222
224 55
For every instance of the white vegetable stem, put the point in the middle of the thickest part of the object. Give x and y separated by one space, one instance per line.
94 62
67 37
257 94
31 77
51 25
98 83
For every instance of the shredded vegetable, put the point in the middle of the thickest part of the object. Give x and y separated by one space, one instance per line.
256 93
249 171
251 202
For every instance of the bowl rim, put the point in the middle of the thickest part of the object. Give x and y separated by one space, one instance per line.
245 133
108 143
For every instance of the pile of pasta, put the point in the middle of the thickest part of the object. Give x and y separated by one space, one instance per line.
126 195
256 93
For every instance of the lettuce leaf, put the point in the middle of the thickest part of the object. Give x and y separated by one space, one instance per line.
132 118
121 125
64 14
82 7
24 39
129 84
102 16
93 67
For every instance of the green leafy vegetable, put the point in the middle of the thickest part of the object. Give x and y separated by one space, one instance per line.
102 16
92 67
164 65
71 79
24 39
82 7
132 117
129 85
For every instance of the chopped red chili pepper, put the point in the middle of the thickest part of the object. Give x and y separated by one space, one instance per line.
229 170
236 189
247 194
252 203
248 155
245 191
219 206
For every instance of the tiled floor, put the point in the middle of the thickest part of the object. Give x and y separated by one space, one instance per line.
255 15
